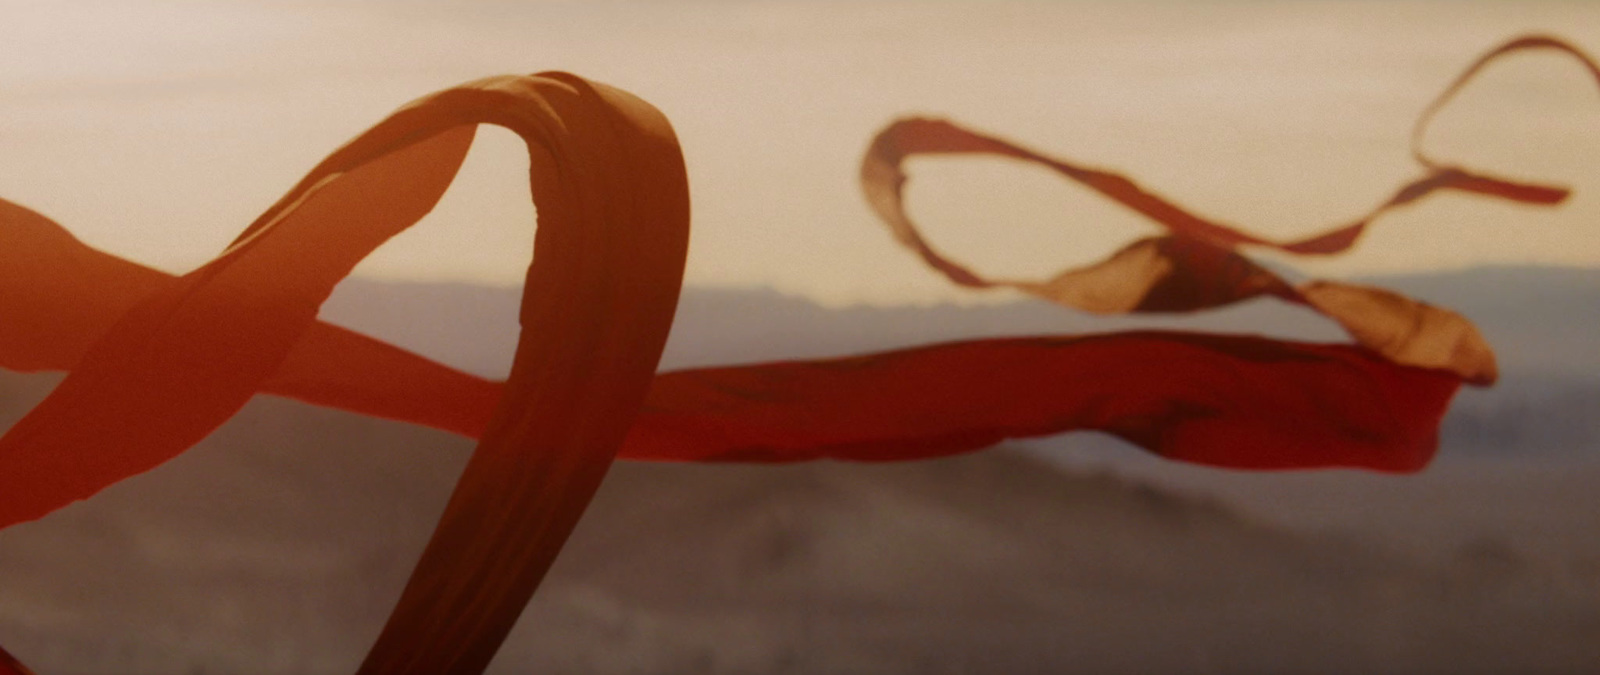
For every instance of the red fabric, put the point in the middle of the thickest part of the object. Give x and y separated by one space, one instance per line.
906 404
1233 401
158 362
611 192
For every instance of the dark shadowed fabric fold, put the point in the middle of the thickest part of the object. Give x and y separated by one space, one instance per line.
9 665
612 199
611 191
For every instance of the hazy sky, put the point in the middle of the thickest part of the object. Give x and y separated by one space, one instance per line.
158 130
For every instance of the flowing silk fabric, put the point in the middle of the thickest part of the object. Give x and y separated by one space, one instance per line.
158 362
612 197
59 296
1197 266
1220 400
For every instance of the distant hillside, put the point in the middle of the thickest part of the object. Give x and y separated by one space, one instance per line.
1543 322
280 543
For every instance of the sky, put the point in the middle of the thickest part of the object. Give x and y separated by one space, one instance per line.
157 130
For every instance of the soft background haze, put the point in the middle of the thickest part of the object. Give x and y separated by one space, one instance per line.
157 130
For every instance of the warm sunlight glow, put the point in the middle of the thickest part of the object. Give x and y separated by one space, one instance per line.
1294 97
164 248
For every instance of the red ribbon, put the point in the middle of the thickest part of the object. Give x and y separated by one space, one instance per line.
158 362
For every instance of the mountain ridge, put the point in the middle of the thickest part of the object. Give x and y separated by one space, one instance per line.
280 542
1543 323
1511 305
